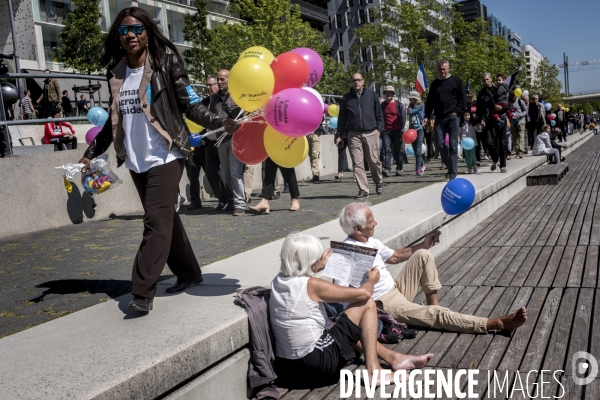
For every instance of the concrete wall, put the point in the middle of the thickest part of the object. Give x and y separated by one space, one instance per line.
33 197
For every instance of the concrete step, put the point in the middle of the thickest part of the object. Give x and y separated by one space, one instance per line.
193 343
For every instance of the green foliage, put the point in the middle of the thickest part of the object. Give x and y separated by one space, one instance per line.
546 83
273 24
198 58
82 38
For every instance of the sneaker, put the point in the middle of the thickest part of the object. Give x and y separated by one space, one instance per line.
389 334
474 170
399 172
486 157
221 205
493 167
179 203
239 211
470 171
562 159
315 178
229 207
194 207
362 194
423 168
379 189
503 170
418 172
385 172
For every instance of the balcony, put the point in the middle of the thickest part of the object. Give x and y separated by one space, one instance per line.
53 15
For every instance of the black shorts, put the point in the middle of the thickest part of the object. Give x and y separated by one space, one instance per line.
322 366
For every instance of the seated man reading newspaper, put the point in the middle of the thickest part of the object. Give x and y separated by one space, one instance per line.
396 295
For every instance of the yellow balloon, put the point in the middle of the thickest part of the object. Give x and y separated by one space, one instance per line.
257 52
251 83
566 109
333 110
518 92
192 126
285 151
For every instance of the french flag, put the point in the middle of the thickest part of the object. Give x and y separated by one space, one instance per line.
421 82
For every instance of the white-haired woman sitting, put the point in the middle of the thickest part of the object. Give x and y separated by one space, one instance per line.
302 342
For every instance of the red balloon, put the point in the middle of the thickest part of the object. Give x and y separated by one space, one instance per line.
247 142
410 135
550 117
290 70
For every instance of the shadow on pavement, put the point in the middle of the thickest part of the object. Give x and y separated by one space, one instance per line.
111 287
79 204
126 217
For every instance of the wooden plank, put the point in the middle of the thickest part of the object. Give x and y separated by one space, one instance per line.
535 238
472 263
458 264
496 226
566 262
489 266
532 360
575 276
506 226
573 238
594 348
501 267
516 263
526 267
497 348
554 227
590 275
565 231
517 234
586 227
447 254
538 268
551 267
559 340
515 229
449 262
520 339
595 232
487 253
583 321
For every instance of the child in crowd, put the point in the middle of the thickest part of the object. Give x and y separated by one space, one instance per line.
468 131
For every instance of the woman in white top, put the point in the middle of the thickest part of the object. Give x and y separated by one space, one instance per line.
149 92
543 146
304 346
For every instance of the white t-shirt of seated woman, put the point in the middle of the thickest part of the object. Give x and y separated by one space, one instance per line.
146 147
385 282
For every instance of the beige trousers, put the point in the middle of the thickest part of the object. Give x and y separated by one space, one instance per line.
518 138
420 270
314 149
365 145
248 176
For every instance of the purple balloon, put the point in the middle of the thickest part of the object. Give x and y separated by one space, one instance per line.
325 109
294 112
315 64
91 134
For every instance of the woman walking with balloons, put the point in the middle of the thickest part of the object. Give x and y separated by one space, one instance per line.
148 88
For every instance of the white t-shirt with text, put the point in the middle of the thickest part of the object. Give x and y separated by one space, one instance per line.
386 282
146 147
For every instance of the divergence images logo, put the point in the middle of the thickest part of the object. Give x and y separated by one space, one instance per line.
582 368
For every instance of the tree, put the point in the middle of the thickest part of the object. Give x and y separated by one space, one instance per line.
546 83
82 38
198 59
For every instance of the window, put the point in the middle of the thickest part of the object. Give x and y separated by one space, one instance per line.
361 16
341 57
338 20
348 19
371 1
349 3
373 52
340 39
368 11
362 2
363 54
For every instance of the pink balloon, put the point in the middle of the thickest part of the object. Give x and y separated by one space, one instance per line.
91 134
325 109
315 64
294 112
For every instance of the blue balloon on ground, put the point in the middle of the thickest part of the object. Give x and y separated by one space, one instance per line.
195 140
467 143
410 151
458 195
333 121
97 116
553 122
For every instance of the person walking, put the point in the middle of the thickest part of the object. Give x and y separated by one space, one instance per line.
50 96
26 106
66 104
394 117
446 100
82 105
492 104
416 116
536 119
518 112
561 123
151 138
360 115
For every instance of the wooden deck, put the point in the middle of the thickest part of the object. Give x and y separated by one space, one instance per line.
540 251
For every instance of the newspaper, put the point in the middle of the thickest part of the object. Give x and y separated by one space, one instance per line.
349 263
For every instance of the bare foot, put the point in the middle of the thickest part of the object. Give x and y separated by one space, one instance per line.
509 322
407 362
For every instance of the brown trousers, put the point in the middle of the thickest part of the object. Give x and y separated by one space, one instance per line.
420 270
165 240
365 146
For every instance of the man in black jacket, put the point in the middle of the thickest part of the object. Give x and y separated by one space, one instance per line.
492 104
447 100
360 115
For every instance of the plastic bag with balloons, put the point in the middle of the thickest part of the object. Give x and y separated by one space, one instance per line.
97 180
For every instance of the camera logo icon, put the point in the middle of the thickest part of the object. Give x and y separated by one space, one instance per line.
584 368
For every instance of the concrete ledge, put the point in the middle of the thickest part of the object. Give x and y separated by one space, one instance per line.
103 352
33 197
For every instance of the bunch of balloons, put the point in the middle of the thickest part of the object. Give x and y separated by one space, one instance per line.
281 88
97 116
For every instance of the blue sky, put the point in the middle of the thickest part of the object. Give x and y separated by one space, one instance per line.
554 27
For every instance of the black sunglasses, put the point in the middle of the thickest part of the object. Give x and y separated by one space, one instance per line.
137 29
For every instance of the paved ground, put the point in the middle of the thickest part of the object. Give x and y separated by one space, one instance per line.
52 273
541 251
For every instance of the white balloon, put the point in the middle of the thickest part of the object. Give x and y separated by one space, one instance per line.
525 93
423 149
313 91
